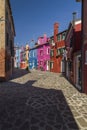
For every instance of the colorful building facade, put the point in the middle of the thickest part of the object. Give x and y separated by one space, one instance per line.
84 45
57 50
43 53
73 49
33 58
22 58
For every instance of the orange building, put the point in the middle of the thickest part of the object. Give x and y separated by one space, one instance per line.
57 50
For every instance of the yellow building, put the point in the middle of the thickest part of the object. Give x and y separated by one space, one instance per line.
27 56
7 33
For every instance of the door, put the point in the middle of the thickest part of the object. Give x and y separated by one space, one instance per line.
62 66
78 72
47 65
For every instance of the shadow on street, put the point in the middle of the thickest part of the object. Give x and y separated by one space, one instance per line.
19 73
28 107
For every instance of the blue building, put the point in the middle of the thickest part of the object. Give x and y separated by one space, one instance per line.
33 58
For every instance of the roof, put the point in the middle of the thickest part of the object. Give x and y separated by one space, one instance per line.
37 46
77 21
62 32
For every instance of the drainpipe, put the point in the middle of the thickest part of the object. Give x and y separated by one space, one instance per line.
74 19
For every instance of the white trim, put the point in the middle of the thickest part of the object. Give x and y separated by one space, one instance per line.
77 22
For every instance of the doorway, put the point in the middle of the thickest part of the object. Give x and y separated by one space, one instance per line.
78 72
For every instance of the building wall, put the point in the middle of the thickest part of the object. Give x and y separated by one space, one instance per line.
84 46
2 38
43 56
7 34
33 59
77 36
57 59
73 47
85 69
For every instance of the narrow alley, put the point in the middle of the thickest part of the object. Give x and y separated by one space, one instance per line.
39 100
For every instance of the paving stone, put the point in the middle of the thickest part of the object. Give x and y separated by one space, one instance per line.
41 101
25 126
34 128
82 122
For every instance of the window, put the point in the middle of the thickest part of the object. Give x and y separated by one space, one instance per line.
41 52
29 54
60 51
63 36
52 53
48 50
71 41
7 39
85 57
51 64
41 62
33 54
59 37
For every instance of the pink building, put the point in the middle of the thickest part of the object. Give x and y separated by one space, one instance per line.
43 53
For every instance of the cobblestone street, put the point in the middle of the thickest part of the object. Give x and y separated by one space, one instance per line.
41 101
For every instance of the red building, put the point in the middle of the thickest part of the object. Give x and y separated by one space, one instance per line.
73 48
84 45
57 50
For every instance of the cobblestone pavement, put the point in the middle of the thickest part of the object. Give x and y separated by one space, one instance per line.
41 101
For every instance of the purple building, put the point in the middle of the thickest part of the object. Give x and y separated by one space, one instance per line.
43 53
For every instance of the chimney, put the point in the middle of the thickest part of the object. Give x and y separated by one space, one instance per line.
74 18
56 25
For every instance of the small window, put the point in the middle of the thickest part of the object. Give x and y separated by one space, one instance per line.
58 52
59 37
33 54
85 57
63 36
41 52
52 53
48 50
29 54
51 65
41 62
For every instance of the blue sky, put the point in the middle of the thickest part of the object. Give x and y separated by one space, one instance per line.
33 18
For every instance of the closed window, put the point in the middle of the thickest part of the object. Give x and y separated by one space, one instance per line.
41 52
48 50
52 53
85 57
60 51
63 36
51 65
59 37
